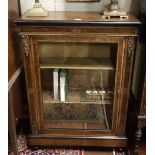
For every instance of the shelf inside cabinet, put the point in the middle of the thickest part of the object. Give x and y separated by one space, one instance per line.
77 116
78 96
84 125
77 63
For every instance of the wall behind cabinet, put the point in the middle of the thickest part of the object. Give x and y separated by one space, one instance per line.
62 5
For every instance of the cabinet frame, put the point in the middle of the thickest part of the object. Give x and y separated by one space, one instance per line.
125 38
77 38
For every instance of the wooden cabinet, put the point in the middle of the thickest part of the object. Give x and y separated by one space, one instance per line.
78 75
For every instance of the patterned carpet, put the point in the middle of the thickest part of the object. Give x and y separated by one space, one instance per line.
52 152
24 150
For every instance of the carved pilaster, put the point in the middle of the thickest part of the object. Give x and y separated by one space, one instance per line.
34 129
26 45
131 45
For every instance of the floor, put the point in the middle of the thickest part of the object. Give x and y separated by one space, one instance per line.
97 152
142 149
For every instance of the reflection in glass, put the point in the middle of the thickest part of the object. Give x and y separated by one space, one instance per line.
78 81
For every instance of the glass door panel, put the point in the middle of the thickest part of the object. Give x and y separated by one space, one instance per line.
77 55
78 82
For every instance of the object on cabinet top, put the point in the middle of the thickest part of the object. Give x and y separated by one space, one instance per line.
83 0
37 10
114 11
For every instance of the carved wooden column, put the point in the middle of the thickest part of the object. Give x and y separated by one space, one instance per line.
141 120
28 63
138 138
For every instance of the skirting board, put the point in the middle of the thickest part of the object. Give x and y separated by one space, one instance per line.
112 141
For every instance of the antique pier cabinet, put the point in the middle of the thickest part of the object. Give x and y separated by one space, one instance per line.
78 70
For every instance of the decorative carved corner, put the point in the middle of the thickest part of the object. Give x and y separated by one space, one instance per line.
34 129
121 132
26 45
131 46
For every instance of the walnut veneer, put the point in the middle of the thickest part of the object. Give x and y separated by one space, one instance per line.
72 27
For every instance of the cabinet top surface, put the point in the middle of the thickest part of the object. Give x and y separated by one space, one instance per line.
75 18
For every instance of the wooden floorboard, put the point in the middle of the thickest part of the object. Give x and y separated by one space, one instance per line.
142 149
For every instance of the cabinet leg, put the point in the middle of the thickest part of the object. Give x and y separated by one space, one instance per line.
137 142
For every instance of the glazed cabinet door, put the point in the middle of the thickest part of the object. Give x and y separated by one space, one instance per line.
78 84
